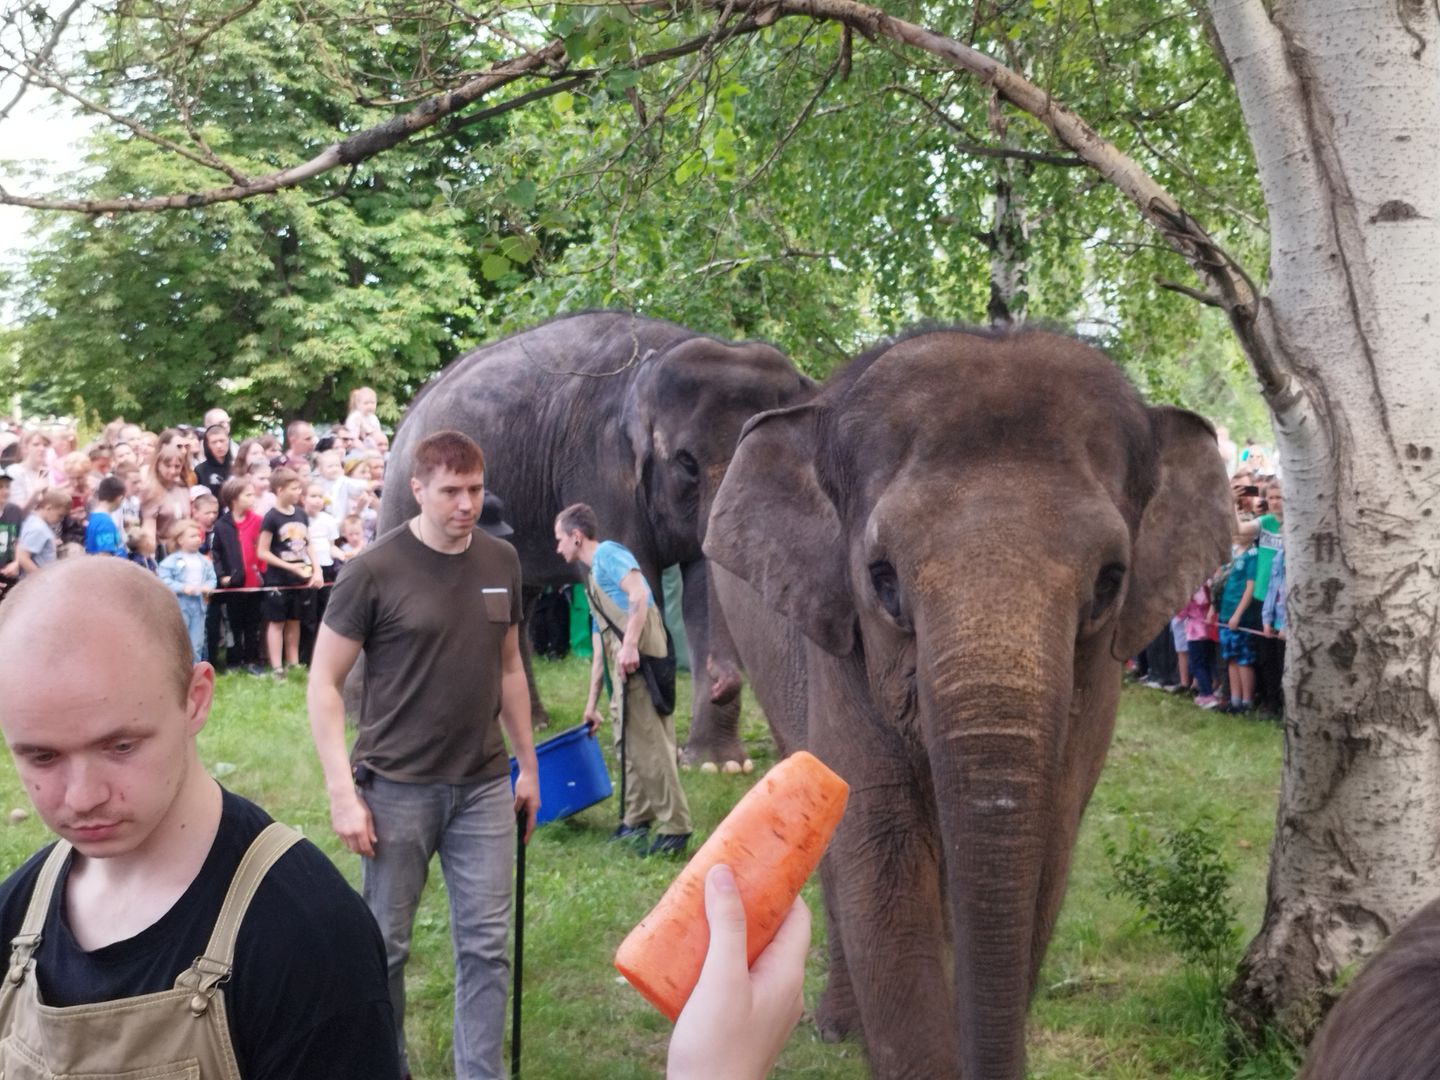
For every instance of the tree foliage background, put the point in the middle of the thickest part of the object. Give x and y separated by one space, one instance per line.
785 183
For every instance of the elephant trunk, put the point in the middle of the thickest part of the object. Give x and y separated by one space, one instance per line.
993 721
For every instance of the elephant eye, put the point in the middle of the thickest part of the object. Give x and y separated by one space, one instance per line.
887 588
1107 588
686 461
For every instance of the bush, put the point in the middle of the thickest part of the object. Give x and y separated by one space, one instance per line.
1181 884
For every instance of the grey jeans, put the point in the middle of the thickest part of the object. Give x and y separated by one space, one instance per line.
472 826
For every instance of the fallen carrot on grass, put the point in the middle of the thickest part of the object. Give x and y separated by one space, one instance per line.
772 840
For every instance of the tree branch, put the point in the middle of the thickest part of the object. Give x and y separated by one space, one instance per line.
1194 294
357 148
43 54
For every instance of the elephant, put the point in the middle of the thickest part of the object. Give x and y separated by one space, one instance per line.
637 417
934 570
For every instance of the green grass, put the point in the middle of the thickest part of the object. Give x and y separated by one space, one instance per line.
1113 1002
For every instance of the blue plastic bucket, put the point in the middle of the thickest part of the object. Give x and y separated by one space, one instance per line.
572 774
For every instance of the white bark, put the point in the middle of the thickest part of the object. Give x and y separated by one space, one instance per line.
1341 104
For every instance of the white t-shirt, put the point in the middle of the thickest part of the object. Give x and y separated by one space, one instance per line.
324 531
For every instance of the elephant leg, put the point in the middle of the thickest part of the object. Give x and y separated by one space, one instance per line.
714 739
837 1013
539 717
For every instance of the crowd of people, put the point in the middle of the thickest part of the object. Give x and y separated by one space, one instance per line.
259 526
1227 644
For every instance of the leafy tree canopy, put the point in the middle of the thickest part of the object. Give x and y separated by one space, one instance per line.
793 182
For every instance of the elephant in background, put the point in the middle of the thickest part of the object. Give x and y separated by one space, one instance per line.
957 542
635 416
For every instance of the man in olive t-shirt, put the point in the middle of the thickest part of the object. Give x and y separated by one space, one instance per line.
435 604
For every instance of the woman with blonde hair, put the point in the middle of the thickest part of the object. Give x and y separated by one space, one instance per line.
166 498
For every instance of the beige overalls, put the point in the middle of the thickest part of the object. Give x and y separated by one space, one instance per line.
178 1034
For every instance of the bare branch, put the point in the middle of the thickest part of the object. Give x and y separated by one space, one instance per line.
43 53
1194 294
357 148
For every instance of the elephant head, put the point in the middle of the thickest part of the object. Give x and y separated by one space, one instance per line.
972 531
683 416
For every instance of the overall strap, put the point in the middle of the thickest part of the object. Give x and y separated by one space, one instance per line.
210 970
24 944
598 602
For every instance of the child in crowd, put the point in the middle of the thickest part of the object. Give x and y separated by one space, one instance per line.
191 577
324 535
285 549
362 423
141 546
102 534
203 511
352 538
1239 615
127 515
238 567
1197 645
39 546
259 474
342 492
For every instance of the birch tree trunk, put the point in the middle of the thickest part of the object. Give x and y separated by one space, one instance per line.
1342 102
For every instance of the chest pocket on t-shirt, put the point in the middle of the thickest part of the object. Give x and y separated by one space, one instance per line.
497 604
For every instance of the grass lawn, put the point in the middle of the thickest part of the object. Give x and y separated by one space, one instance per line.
1114 1001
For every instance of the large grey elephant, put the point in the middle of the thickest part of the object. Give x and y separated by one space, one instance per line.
636 417
950 550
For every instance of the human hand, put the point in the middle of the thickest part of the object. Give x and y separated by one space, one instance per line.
351 820
317 580
527 797
299 570
593 719
737 1016
10 569
628 660
1234 621
190 590
1280 634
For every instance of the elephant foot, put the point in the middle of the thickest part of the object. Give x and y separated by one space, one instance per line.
733 763
837 1017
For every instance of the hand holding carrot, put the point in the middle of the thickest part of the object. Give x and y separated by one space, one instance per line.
738 1018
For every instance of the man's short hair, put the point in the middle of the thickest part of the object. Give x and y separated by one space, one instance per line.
110 489
53 500
295 427
121 590
579 516
232 489
98 451
203 498
453 451
282 476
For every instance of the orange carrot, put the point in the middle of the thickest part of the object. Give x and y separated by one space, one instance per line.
772 840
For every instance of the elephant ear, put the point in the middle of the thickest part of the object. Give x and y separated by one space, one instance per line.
1185 530
773 525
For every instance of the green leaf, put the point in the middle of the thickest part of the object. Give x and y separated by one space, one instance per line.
494 267
522 193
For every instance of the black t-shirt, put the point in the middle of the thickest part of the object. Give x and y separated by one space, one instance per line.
308 995
10 521
289 541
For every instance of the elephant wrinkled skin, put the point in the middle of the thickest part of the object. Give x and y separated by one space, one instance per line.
636 417
950 550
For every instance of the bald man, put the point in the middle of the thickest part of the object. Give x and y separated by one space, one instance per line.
174 922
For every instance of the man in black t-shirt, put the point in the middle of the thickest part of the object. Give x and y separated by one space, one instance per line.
108 756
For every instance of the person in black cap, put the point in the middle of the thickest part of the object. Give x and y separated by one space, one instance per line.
492 517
